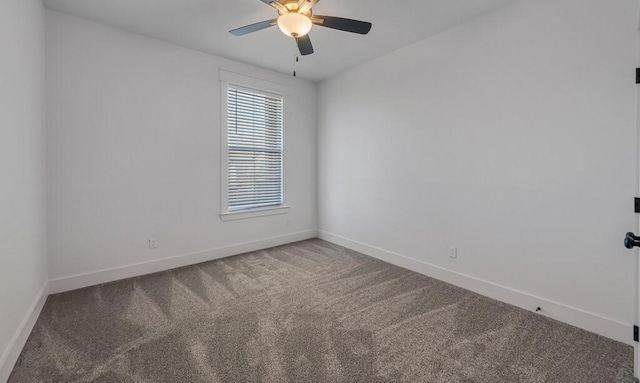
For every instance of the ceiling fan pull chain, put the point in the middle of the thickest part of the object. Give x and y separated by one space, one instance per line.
294 64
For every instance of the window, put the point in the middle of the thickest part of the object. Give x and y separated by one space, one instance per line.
254 151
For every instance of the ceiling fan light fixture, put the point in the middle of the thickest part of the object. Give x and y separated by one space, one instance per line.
294 24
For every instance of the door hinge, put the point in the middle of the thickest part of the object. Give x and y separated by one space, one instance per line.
636 205
636 335
637 75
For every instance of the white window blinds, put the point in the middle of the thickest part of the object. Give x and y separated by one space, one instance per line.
254 149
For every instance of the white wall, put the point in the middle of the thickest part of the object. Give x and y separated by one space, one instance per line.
22 170
134 152
512 137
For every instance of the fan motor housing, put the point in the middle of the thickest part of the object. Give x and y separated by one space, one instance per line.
292 6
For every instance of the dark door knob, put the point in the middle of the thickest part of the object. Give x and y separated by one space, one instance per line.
631 241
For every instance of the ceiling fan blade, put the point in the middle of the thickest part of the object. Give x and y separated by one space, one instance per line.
304 45
305 5
277 5
347 25
253 27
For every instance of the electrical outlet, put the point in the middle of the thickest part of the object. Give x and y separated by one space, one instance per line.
153 243
453 251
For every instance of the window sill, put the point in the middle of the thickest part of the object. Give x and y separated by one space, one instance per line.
253 213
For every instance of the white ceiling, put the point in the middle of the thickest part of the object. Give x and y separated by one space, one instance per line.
204 24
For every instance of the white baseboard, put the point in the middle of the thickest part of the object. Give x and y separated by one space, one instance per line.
607 327
13 350
79 281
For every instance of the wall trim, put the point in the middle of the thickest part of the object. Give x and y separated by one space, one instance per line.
607 327
78 281
13 350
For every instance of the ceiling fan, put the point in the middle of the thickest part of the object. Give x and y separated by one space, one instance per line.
296 19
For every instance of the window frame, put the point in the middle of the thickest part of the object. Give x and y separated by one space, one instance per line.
269 88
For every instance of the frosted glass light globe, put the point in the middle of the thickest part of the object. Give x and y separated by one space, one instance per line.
294 24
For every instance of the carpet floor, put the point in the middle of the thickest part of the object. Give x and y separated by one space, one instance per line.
305 312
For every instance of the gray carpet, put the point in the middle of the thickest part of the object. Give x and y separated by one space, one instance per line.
306 312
